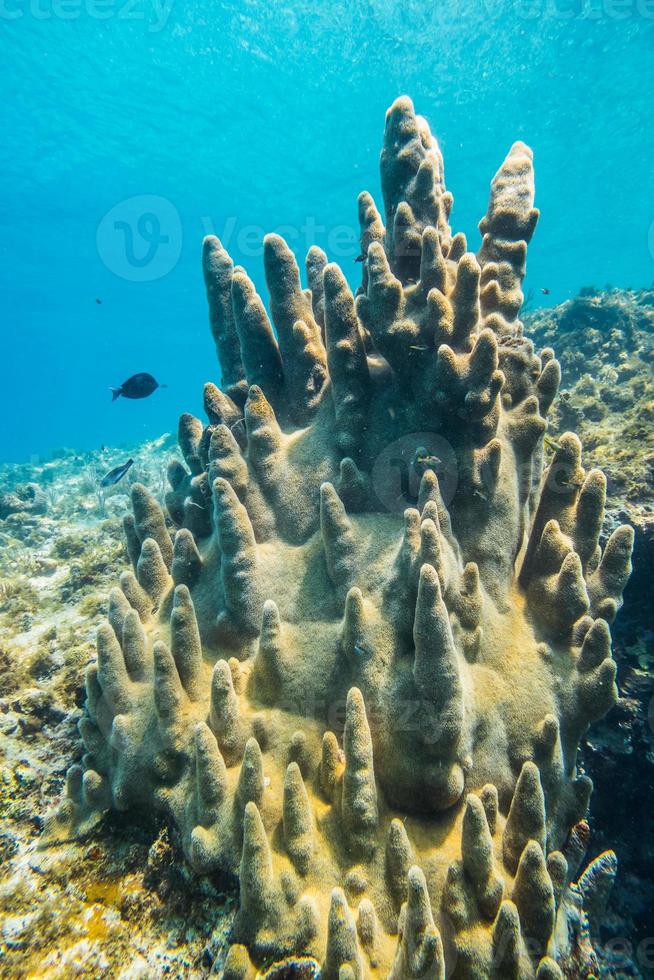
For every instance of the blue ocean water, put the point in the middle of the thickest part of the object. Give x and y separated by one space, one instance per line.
131 128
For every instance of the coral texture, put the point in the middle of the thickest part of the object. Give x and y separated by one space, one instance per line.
358 675
605 343
27 498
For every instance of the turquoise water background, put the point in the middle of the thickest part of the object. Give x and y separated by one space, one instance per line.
131 129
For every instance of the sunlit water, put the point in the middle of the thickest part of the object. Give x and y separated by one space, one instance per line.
132 129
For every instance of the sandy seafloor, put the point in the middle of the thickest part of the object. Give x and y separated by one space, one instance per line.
122 902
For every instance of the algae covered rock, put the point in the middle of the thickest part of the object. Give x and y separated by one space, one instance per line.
26 498
358 674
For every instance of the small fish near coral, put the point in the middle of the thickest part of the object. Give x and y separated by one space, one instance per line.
114 476
426 461
140 385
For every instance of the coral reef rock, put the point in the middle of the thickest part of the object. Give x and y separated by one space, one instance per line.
26 498
357 676
605 344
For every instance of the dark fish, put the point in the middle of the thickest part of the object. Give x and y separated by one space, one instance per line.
113 476
138 386
360 258
99 302
544 290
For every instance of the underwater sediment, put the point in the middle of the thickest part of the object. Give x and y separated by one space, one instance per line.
357 676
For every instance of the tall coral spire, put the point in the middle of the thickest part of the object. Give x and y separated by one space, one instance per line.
436 669
359 805
352 662
218 272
